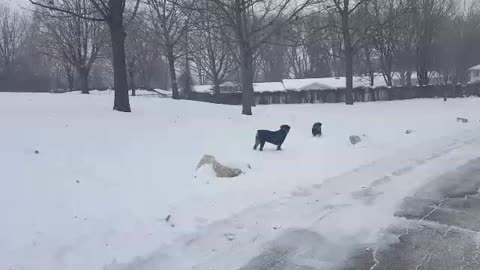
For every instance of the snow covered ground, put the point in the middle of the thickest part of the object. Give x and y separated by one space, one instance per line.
98 192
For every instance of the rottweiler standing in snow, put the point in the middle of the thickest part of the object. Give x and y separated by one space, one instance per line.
317 129
273 137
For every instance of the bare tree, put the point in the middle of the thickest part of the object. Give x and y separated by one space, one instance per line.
112 12
345 9
212 49
13 27
135 44
297 55
468 33
272 55
386 23
446 51
405 53
253 22
144 58
171 23
69 73
72 40
428 17
324 45
314 46
455 48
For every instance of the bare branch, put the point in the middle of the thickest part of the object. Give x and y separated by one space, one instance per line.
82 16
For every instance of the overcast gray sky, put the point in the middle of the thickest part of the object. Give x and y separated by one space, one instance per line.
25 3
17 3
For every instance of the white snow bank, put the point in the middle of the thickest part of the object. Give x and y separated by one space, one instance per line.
103 182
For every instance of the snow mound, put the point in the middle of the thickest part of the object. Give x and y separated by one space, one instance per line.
461 119
218 169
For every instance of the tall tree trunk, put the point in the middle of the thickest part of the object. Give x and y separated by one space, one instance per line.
7 68
187 83
422 71
348 58
388 78
131 75
216 84
71 83
83 74
70 79
117 33
246 72
173 75
371 73
425 80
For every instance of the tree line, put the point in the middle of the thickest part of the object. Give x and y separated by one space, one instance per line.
177 43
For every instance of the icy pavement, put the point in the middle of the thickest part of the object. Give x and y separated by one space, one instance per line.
365 219
441 230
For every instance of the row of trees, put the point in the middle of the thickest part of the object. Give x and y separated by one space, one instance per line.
214 41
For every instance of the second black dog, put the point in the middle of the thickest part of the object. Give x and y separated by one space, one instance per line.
317 129
274 137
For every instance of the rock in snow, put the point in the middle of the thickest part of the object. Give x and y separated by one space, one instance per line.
408 131
220 170
461 119
354 139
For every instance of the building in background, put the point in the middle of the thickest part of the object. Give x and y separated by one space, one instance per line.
474 73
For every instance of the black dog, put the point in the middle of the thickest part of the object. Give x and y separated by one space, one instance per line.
317 129
273 137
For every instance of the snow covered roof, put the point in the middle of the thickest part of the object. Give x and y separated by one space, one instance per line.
329 83
203 88
268 87
477 67
310 84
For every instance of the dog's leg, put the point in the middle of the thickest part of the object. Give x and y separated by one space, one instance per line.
279 147
262 144
257 142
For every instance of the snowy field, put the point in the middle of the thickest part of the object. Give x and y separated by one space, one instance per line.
98 192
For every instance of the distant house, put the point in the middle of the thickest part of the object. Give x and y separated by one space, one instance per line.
232 87
227 87
474 73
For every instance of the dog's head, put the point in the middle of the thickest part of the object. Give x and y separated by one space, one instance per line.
285 128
